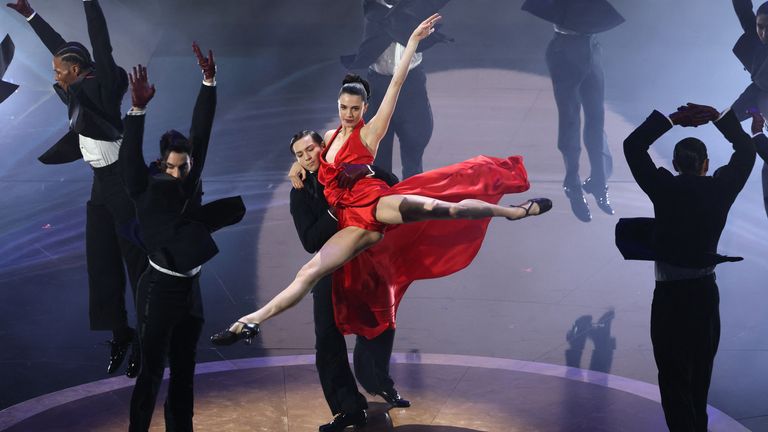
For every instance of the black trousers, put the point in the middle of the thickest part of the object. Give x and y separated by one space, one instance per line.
371 358
754 98
685 331
108 253
411 121
170 323
576 68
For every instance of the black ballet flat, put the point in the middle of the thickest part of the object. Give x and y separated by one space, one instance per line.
545 205
228 337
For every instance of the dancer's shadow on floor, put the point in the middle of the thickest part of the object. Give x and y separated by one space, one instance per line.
380 421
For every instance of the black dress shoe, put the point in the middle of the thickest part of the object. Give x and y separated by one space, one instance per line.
578 203
118 350
134 360
393 398
357 419
600 193
228 337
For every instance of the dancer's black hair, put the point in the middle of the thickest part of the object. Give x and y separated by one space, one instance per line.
355 85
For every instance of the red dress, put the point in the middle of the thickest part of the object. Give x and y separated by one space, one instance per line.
367 289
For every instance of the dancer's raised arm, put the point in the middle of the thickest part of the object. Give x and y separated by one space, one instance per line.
374 131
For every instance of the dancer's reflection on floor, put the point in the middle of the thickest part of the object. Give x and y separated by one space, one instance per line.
600 334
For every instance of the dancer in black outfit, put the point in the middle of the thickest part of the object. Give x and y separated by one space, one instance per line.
574 58
691 210
6 56
176 232
388 25
752 51
315 223
93 91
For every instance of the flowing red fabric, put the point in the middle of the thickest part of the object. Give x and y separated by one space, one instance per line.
367 290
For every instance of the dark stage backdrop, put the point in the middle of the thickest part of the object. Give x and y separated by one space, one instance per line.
279 73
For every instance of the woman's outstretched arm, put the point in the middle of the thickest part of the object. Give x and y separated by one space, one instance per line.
375 130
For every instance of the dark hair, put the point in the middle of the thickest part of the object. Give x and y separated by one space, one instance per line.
763 9
314 135
353 84
689 156
174 141
75 53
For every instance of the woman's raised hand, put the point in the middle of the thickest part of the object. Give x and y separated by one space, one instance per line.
426 28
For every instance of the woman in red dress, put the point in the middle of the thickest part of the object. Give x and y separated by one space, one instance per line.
440 218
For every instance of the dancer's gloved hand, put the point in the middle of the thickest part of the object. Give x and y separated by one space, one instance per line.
296 175
207 64
351 174
22 7
141 91
694 115
758 121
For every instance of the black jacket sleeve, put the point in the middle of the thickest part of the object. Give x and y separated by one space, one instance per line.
384 175
131 159
745 14
200 133
313 230
50 38
761 146
113 79
736 172
636 151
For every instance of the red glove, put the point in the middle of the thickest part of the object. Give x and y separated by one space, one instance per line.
22 7
758 122
141 91
207 64
694 115
351 174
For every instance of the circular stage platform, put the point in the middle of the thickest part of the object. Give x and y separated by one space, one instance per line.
449 393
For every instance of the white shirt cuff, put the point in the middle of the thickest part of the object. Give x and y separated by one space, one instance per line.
370 171
211 83
722 114
670 120
334 217
136 111
31 16
759 133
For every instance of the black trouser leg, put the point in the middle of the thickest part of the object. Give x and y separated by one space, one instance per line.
592 93
568 60
336 379
371 358
413 123
685 331
108 252
164 304
179 405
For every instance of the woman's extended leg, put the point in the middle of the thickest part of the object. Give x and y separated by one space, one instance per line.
339 249
398 209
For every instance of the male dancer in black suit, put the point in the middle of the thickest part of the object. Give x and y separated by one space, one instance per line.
574 59
388 25
691 209
93 91
315 223
176 233
752 51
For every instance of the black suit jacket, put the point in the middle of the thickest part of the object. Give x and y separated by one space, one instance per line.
583 16
690 210
93 102
748 49
384 26
174 228
6 55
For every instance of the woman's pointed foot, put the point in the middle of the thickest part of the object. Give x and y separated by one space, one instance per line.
238 331
534 207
